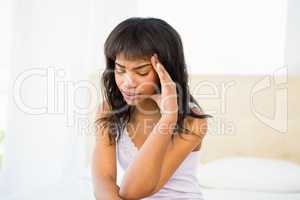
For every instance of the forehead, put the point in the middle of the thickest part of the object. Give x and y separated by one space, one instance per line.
122 59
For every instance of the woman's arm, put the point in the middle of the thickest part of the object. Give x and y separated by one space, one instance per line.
143 173
105 188
104 170
104 174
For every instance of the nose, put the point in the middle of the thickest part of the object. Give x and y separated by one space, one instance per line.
129 81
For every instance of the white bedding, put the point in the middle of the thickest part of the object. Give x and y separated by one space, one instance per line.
251 174
250 178
219 194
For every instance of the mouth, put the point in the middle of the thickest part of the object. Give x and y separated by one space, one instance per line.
129 95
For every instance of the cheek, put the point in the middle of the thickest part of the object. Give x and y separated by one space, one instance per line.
149 83
118 80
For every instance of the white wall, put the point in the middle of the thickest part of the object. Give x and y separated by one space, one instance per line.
5 36
292 49
6 15
232 36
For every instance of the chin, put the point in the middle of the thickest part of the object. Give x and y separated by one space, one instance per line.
133 102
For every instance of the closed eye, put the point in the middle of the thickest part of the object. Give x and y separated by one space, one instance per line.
143 74
120 71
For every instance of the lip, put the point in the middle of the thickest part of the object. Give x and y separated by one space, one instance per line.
129 93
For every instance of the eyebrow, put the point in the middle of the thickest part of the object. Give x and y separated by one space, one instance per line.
135 68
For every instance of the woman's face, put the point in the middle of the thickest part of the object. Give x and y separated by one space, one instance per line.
136 79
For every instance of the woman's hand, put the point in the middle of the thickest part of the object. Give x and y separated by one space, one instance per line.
167 100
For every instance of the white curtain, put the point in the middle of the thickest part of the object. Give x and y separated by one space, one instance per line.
56 46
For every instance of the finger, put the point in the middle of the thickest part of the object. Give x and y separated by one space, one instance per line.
160 69
161 66
154 63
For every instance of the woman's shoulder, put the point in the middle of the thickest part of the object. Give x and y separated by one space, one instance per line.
194 124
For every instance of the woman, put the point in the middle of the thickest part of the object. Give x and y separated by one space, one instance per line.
148 121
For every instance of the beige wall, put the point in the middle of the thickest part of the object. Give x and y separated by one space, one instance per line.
251 136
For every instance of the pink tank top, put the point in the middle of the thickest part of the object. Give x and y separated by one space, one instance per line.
183 184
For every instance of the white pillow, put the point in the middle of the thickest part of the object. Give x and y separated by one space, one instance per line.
252 174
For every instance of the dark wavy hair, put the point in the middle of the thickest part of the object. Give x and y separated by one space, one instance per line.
140 38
